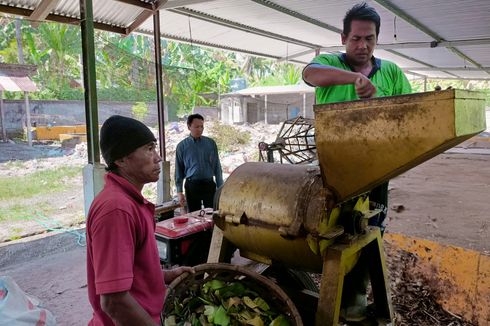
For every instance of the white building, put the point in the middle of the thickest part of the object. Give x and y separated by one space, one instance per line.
271 104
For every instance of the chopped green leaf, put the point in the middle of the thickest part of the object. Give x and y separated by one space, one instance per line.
257 321
213 285
221 318
249 302
210 311
261 304
232 290
280 320
232 302
170 321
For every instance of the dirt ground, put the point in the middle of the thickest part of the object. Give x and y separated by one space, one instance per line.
446 199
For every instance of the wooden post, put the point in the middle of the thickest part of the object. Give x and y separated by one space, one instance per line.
2 116
218 248
28 119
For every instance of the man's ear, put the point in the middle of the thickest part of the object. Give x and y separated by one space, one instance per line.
343 37
120 162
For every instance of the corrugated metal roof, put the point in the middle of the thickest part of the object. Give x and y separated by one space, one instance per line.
15 78
293 29
17 84
271 90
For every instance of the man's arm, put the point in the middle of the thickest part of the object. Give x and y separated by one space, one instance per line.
218 171
179 174
323 76
124 310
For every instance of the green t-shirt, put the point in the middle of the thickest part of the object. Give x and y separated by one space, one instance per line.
388 78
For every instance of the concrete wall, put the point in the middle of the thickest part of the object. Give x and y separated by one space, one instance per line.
44 112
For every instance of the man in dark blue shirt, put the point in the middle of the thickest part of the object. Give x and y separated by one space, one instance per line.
197 161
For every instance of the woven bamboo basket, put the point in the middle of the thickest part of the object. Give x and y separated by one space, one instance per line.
268 290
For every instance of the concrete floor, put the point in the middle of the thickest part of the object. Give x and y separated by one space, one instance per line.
52 269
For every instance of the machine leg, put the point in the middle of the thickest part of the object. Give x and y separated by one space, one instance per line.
219 247
334 270
379 279
327 313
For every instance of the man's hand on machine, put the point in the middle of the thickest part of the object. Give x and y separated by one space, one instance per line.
364 87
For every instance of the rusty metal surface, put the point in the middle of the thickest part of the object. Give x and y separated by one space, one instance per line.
361 144
276 195
268 210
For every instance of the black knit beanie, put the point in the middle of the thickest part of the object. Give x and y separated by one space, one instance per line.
120 136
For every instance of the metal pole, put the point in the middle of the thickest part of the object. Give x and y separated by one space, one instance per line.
89 81
304 105
28 119
159 77
425 84
265 109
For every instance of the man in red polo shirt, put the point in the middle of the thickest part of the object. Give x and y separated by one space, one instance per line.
126 284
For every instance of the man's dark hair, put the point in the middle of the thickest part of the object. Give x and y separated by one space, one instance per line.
361 11
194 116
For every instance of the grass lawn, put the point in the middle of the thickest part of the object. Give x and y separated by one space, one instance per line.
22 195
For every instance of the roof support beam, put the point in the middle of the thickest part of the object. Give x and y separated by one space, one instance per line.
313 21
157 5
417 61
211 45
42 10
396 46
231 24
182 3
409 19
446 68
60 19
459 78
138 3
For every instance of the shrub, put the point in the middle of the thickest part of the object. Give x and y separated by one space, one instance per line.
139 110
228 138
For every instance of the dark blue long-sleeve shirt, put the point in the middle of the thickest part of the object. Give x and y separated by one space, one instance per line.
197 159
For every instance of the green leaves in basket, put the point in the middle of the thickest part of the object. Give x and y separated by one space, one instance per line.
217 315
221 317
232 302
249 302
258 304
223 303
280 320
256 321
210 312
170 321
235 289
213 285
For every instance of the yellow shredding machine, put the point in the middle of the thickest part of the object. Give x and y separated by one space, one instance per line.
300 215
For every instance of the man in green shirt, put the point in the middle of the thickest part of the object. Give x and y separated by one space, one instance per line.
357 74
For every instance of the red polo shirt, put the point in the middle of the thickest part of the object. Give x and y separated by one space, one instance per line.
122 252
